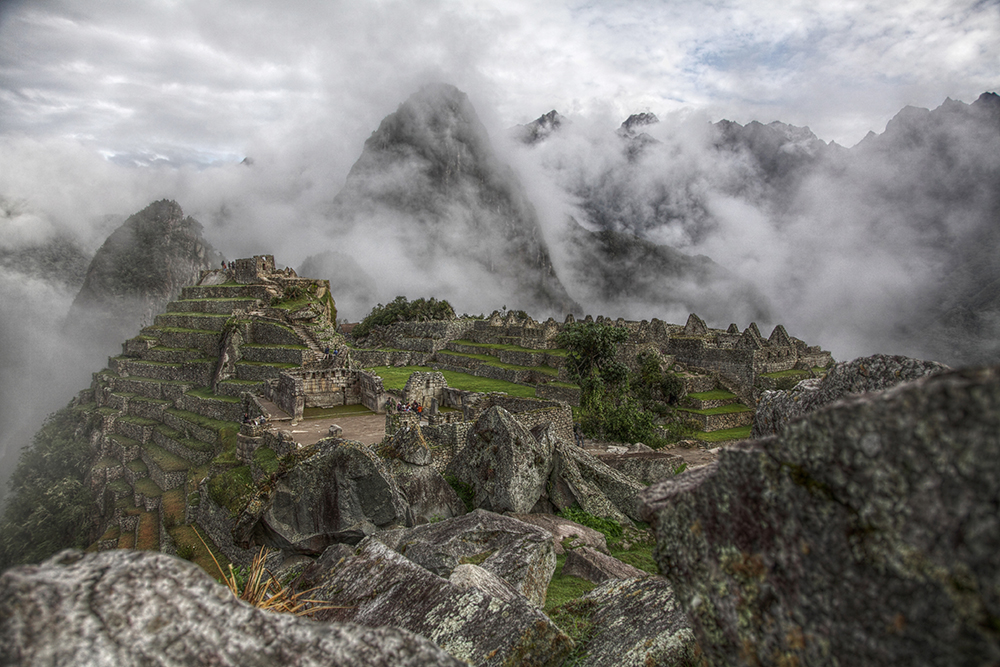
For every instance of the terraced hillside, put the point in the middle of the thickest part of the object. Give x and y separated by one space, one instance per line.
171 405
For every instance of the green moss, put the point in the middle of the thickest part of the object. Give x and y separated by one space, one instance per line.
463 490
138 466
148 488
165 461
612 530
640 556
231 489
267 460
477 559
563 588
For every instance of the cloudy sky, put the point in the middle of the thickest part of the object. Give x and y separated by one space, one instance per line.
190 81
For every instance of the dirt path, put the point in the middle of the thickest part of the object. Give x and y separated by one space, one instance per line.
368 429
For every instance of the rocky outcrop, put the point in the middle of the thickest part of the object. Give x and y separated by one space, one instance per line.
865 533
578 478
521 554
378 587
428 495
644 467
505 465
596 567
638 622
143 608
867 374
407 444
341 493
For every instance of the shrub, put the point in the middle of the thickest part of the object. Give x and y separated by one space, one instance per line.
403 310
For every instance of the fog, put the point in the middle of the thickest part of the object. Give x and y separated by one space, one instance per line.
107 107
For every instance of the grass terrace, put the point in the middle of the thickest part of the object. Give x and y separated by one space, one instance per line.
395 377
492 361
713 395
721 410
738 433
558 352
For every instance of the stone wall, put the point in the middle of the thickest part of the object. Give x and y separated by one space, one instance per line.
287 393
371 391
215 521
250 270
424 388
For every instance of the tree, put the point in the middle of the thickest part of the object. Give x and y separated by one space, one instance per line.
49 502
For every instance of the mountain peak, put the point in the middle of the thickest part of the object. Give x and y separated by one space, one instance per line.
538 129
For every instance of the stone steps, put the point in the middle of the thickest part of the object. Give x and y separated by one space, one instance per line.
195 451
215 306
198 372
170 355
697 402
195 321
139 429
274 354
264 332
235 388
214 407
178 421
206 342
166 469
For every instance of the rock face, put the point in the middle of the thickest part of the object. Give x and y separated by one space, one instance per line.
638 622
427 493
431 177
378 587
141 266
503 463
341 493
865 533
578 478
867 374
143 608
519 553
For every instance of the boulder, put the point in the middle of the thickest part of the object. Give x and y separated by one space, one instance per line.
638 623
863 375
597 568
468 575
579 478
341 493
521 554
375 586
427 493
407 444
866 532
142 608
562 530
505 464
645 467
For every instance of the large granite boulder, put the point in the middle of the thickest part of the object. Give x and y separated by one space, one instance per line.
502 461
521 554
579 478
863 375
428 494
142 608
565 531
638 623
341 493
866 533
376 586
407 444
644 467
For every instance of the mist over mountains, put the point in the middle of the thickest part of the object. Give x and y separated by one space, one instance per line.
888 246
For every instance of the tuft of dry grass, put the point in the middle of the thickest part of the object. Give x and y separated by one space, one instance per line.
264 591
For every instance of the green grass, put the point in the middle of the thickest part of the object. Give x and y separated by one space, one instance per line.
558 352
492 361
738 433
189 546
190 443
118 487
714 395
166 461
172 503
721 410
138 466
267 460
394 378
148 488
232 488
266 363
563 588
336 411
640 556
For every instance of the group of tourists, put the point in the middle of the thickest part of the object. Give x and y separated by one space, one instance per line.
408 407
259 420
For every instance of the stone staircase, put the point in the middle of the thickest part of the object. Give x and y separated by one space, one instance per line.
162 426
